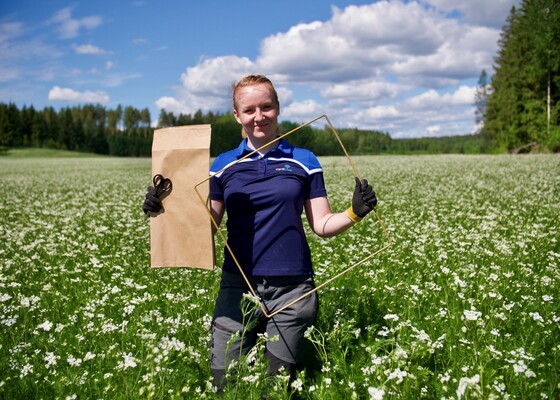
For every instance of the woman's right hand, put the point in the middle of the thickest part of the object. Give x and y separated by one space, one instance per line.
152 204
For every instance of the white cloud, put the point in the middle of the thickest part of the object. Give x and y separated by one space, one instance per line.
170 104
431 99
381 112
364 90
433 130
72 96
403 67
357 42
140 42
467 51
9 73
10 30
22 58
207 86
213 76
69 27
89 49
302 110
118 79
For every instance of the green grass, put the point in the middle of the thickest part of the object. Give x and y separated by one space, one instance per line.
463 305
30 152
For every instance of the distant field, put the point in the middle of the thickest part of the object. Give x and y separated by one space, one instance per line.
463 305
40 153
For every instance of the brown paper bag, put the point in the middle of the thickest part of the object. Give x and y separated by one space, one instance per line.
181 234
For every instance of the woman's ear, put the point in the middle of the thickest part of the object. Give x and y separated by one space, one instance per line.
236 116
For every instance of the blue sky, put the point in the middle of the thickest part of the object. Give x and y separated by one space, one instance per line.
408 68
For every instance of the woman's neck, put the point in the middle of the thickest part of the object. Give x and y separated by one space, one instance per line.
267 147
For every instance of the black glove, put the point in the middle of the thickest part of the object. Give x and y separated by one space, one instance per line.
363 199
152 203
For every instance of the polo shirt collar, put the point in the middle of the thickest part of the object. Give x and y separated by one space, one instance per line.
284 148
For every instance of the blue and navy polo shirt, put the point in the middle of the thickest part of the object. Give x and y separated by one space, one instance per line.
264 198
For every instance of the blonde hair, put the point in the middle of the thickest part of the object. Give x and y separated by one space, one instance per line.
252 80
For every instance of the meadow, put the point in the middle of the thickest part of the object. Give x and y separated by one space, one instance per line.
463 305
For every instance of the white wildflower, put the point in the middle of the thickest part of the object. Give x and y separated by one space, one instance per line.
465 383
128 361
521 368
251 378
472 315
297 385
400 353
398 374
375 393
46 326
73 361
26 370
445 378
128 309
50 359
252 299
4 297
536 316
384 331
391 317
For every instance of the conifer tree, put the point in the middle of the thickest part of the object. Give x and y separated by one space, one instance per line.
524 106
481 98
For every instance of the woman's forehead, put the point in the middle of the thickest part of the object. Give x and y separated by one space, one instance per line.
254 92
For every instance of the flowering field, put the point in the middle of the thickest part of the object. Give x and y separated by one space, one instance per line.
464 304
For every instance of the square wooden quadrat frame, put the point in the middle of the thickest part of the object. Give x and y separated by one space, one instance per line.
206 204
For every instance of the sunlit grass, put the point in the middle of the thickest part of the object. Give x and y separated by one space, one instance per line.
464 304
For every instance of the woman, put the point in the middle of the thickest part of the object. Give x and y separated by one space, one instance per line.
264 196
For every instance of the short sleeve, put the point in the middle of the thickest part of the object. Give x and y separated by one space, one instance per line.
216 189
317 186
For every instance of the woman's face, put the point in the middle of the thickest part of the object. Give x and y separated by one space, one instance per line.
257 111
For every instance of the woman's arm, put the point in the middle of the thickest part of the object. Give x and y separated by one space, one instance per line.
323 221
217 207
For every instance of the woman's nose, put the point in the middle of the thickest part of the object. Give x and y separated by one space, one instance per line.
259 115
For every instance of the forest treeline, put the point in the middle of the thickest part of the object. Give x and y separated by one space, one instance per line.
516 109
127 132
519 106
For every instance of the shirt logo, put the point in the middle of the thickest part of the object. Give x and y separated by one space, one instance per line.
286 167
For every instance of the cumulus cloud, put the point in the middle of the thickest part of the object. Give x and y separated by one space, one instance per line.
303 109
464 95
207 85
363 90
69 27
170 104
73 96
393 37
405 67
